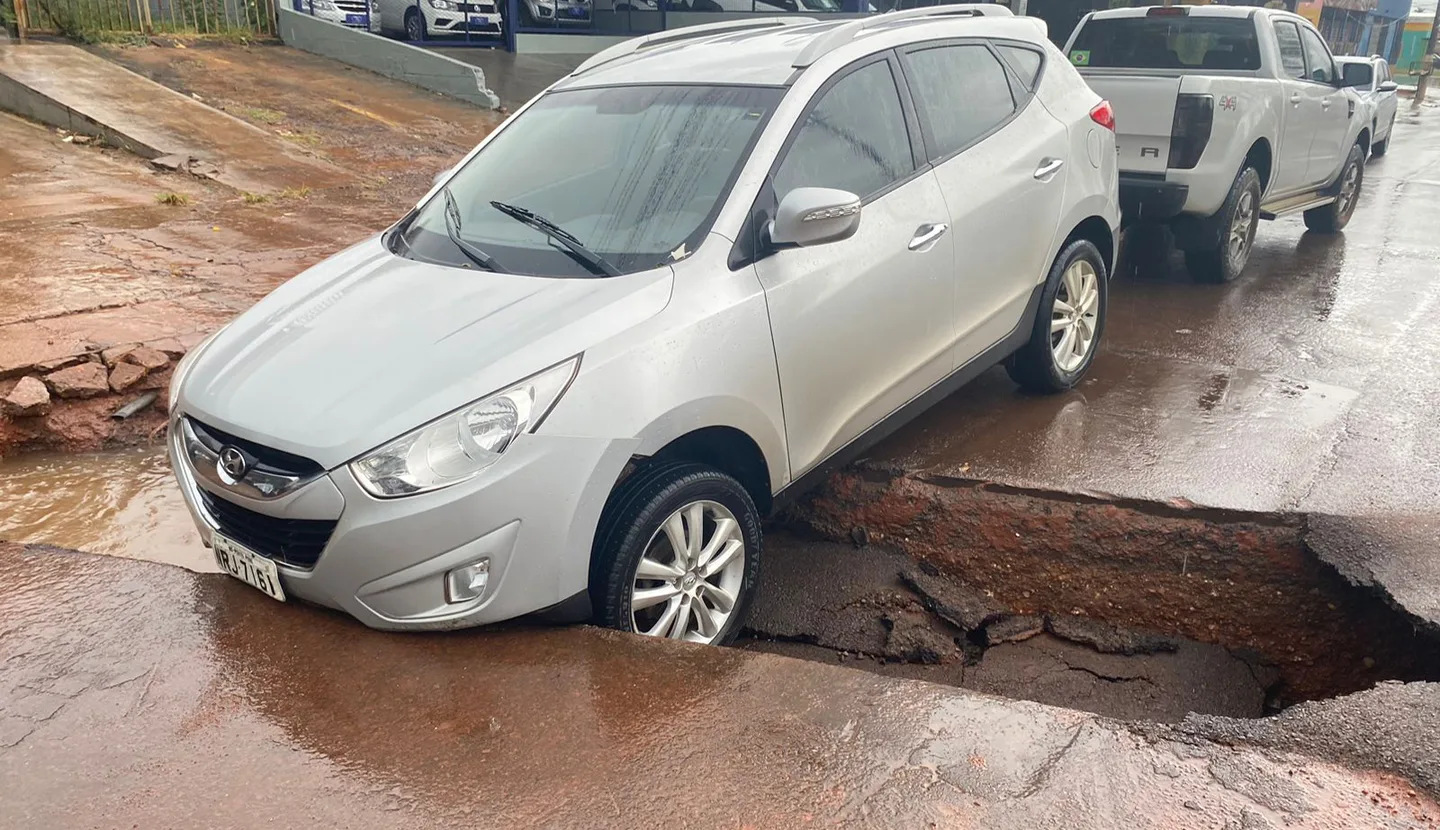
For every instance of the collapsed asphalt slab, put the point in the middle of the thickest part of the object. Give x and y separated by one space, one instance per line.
137 694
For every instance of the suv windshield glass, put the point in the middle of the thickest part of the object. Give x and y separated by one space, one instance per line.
633 175
1167 42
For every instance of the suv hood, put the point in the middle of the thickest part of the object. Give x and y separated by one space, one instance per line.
367 346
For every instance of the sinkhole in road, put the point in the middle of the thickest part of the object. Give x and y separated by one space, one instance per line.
1130 609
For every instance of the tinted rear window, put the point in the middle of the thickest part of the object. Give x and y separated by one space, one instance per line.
1171 42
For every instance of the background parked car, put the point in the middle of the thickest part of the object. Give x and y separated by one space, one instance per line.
425 19
1370 77
355 14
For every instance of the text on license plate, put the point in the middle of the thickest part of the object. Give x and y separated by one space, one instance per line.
479 21
248 566
356 19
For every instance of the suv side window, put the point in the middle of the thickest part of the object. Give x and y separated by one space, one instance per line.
1322 66
962 93
1292 54
854 138
1025 62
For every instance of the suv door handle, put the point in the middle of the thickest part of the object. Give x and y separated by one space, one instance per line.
1048 167
925 234
1295 99
1325 104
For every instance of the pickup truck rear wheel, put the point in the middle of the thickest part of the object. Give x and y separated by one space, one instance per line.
1237 220
1336 215
1068 325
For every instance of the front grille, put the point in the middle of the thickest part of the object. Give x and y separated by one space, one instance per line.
295 542
353 6
477 8
258 455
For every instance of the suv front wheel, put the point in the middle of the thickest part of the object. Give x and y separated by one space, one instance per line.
678 555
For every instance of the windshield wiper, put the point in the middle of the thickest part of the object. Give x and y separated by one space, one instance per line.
582 254
469 249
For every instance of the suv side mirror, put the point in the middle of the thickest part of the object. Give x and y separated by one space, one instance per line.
814 216
1389 86
1357 75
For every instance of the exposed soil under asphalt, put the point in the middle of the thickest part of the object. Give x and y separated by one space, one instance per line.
1220 612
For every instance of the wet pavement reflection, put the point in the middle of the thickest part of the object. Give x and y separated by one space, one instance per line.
121 503
1300 386
193 701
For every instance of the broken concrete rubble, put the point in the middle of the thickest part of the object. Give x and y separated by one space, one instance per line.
30 398
112 355
952 600
125 375
147 358
87 380
183 163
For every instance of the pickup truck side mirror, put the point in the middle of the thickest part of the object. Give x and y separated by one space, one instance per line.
1389 86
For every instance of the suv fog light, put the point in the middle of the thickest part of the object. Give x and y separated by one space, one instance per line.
467 583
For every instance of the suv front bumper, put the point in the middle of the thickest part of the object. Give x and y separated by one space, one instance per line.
1151 199
532 515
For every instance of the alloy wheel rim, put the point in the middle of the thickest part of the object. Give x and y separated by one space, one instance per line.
687 582
1349 188
1242 228
1075 316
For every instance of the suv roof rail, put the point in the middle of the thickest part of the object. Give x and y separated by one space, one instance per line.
846 32
636 44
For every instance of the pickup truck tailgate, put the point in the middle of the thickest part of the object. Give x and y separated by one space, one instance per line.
1144 114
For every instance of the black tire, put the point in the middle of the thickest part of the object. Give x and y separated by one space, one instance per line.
1333 217
1035 366
1380 148
414 25
1226 260
632 523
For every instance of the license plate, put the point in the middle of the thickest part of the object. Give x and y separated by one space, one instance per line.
355 19
248 566
576 11
479 21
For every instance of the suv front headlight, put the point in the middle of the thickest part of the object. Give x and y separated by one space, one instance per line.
460 445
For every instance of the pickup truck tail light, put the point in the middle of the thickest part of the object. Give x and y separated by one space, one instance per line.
1190 131
1104 115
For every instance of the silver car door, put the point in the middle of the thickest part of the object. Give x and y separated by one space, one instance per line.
1000 158
864 324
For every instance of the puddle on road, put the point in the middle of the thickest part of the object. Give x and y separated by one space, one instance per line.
120 503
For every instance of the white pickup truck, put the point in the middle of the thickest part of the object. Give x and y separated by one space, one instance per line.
1225 115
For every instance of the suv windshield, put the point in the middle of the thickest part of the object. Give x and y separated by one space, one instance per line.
1177 41
632 175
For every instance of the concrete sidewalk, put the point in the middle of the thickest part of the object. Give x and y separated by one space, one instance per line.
138 694
67 87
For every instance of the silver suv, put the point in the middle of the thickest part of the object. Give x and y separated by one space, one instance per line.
669 294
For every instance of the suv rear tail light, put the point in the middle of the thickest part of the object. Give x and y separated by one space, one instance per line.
1104 115
1190 131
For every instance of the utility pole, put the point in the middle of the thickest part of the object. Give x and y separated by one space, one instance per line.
1427 62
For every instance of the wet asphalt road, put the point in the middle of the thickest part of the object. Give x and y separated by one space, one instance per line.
137 695
140 695
1308 384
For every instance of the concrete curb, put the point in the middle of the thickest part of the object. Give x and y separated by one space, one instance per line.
390 58
30 103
